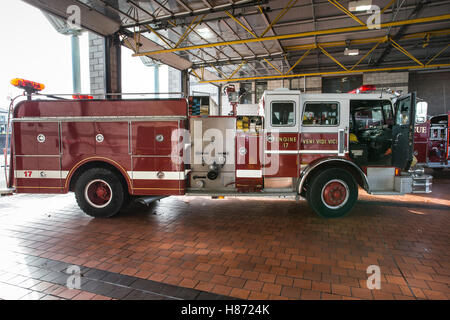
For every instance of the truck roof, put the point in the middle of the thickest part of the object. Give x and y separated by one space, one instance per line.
353 96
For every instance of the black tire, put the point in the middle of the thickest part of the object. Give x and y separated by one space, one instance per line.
113 198
333 179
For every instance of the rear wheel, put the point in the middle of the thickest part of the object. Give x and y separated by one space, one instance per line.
332 193
100 193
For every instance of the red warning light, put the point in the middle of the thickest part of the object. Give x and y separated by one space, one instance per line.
365 88
82 97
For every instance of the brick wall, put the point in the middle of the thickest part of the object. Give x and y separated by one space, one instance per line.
312 84
101 49
434 88
393 80
275 84
97 64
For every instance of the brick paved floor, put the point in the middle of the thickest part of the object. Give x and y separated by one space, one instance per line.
241 248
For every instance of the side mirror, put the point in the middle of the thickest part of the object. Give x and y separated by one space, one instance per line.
421 112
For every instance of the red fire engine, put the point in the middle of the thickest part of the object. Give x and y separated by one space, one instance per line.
431 141
317 146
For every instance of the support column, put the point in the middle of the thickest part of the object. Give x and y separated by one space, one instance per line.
185 83
113 59
175 81
76 73
105 65
219 98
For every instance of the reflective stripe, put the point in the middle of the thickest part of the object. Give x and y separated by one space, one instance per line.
319 151
137 175
249 173
153 175
282 151
301 151
41 174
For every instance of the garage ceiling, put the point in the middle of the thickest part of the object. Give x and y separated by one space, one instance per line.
231 40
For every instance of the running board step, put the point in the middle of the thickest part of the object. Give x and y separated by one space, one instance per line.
238 194
7 191
386 193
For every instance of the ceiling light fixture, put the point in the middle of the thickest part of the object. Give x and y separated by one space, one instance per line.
360 5
351 52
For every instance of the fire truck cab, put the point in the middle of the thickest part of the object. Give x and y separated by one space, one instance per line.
317 146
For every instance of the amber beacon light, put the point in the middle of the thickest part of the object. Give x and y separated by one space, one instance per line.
27 85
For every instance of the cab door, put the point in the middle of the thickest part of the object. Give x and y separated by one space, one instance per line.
403 131
281 143
325 124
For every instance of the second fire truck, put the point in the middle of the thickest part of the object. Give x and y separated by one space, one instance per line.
321 147
431 142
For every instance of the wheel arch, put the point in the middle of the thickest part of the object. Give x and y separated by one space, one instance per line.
87 164
316 167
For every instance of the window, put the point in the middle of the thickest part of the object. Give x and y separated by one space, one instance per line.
421 112
438 133
368 114
403 112
321 114
245 92
388 116
368 118
341 84
283 114
260 88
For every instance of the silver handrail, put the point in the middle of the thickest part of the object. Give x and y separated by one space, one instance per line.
8 129
56 95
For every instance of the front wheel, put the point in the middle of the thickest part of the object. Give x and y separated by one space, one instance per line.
332 193
100 193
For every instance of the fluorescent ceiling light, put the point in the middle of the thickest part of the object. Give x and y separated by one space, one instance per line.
360 5
351 52
205 32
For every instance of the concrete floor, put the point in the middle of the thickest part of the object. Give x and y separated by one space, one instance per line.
198 248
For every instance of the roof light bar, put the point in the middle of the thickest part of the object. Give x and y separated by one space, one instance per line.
27 85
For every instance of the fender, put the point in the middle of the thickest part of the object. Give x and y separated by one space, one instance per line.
98 159
311 167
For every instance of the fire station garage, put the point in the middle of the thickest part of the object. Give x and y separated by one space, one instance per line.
288 149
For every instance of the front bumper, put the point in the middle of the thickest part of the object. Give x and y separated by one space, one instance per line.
413 183
422 183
